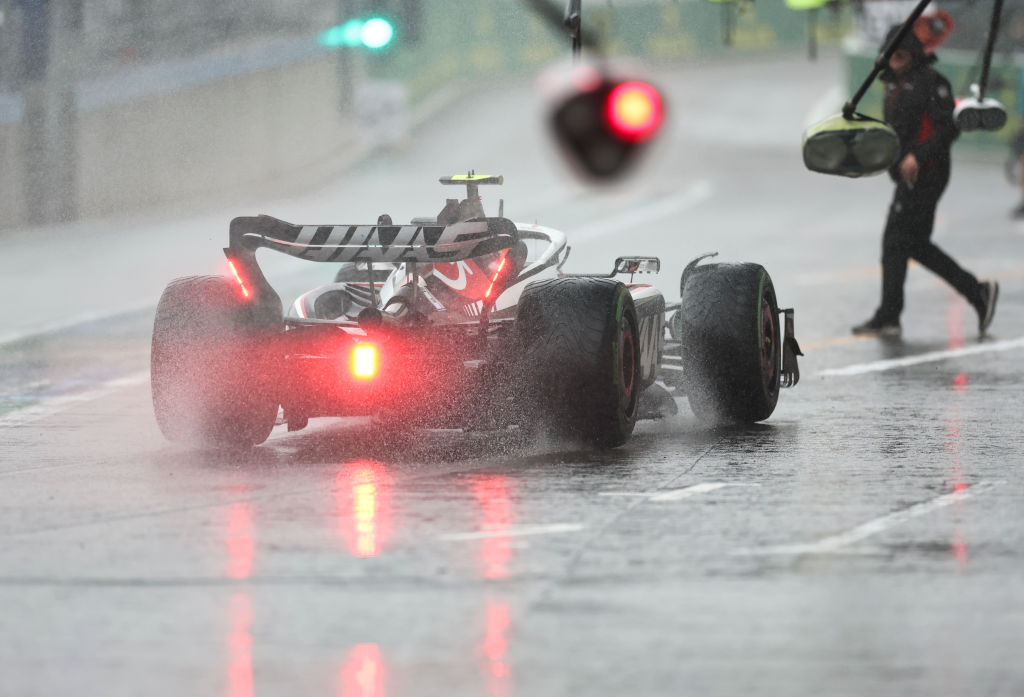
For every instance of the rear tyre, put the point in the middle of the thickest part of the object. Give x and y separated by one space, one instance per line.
211 366
730 343
579 352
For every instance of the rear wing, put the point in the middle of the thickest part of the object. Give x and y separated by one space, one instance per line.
395 244
373 243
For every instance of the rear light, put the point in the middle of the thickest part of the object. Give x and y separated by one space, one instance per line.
496 275
238 277
364 361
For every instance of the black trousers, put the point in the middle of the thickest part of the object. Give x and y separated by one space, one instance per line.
908 232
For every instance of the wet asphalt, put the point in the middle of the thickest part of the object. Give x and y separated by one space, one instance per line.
864 540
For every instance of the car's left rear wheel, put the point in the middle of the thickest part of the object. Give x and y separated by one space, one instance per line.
212 367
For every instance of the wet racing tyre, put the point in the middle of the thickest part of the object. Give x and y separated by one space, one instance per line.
211 368
730 343
579 357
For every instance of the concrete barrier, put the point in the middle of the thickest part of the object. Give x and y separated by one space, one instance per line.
175 133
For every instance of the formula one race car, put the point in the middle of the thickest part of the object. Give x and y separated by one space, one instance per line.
460 321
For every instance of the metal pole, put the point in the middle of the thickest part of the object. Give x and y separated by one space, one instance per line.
993 33
33 68
346 71
61 122
573 23
883 60
812 33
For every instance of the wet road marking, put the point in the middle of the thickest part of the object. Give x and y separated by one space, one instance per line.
56 405
836 543
677 494
513 531
664 208
929 357
838 341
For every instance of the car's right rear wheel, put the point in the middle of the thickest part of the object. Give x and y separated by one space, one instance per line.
211 370
579 355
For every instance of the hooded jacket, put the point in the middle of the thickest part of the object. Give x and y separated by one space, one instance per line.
919 106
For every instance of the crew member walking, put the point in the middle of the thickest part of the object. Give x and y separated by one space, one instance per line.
919 106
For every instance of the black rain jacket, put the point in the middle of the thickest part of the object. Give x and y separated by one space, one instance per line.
919 106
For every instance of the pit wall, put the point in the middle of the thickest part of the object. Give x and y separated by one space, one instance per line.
255 117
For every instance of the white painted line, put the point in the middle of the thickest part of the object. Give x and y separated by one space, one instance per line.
695 490
513 531
58 404
677 494
836 543
930 357
640 215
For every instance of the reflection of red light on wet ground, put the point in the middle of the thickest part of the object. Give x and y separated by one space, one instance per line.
953 440
365 511
960 548
240 679
239 540
363 492
495 649
954 318
492 493
363 672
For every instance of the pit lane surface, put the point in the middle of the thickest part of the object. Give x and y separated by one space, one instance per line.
865 540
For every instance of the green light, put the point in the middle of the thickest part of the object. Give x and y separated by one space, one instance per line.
352 29
347 34
376 33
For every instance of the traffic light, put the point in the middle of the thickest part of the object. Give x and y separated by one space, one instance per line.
374 33
605 126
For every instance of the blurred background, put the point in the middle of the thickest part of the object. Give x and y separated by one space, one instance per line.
114 106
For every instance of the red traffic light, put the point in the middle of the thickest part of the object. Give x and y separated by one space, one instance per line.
604 124
633 111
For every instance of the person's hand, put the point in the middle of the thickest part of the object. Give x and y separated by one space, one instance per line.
909 169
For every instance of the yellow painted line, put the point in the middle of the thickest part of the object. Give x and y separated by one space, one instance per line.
838 341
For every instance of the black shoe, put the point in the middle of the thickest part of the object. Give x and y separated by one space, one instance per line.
1018 212
986 307
879 327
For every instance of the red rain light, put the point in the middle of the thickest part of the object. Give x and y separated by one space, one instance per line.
364 361
238 277
633 111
